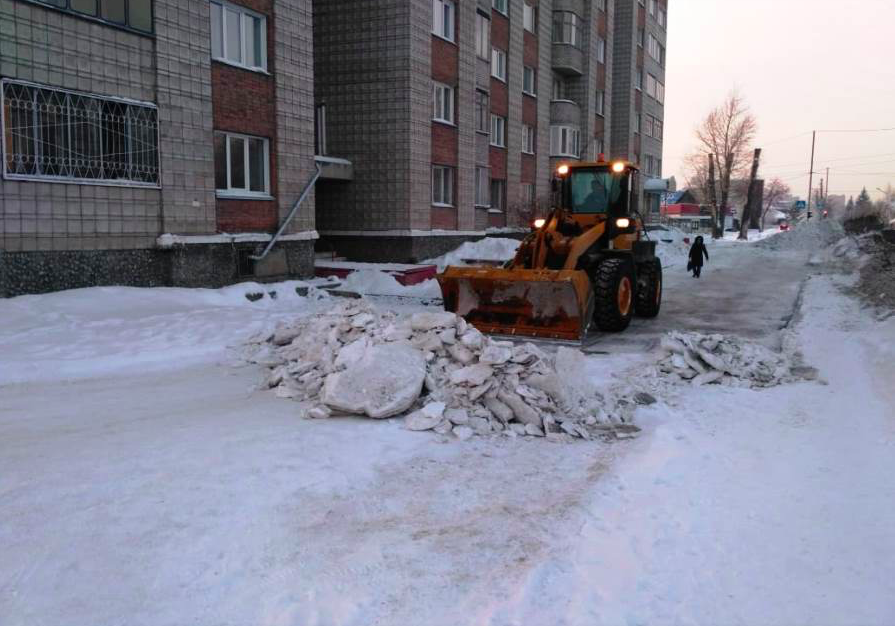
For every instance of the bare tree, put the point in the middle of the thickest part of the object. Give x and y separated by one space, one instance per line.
727 132
775 191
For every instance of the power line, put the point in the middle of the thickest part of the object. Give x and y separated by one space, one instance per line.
859 130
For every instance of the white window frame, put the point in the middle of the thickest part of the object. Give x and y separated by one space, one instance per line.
500 6
442 11
482 112
482 36
149 118
653 5
442 186
529 17
245 21
565 141
483 186
560 90
502 200
570 30
638 122
601 4
235 192
498 131
444 114
600 104
651 85
638 79
601 50
662 18
532 89
528 139
527 193
499 64
660 92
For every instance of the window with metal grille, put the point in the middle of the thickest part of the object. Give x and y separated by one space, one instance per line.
131 14
54 134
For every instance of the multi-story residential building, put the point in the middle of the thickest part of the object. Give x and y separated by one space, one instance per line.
137 133
453 114
638 95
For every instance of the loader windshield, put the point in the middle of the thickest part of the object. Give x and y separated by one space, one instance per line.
596 191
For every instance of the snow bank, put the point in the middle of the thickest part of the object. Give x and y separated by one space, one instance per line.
812 235
703 359
492 249
379 283
356 360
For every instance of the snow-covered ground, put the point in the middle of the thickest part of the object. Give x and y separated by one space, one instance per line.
144 478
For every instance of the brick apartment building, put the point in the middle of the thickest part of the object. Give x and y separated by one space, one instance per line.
123 121
453 114
157 142
639 95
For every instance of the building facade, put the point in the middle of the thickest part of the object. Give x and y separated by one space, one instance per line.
453 114
137 135
638 97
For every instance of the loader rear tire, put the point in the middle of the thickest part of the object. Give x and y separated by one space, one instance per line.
614 287
649 289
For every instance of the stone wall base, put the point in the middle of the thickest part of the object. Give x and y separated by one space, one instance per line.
392 249
181 265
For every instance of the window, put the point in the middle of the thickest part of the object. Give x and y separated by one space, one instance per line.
601 50
564 141
637 122
662 18
482 36
482 112
443 12
498 195
482 186
599 148
566 28
651 84
648 125
241 165
656 50
601 4
442 185
135 14
529 80
660 92
560 89
529 17
498 131
443 100
640 37
238 36
638 79
53 134
320 128
528 139
659 168
499 64
527 193
500 5
652 7
657 129
601 103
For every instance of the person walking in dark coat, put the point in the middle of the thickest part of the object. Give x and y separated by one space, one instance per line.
697 250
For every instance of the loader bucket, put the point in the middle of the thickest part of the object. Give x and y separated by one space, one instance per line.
552 304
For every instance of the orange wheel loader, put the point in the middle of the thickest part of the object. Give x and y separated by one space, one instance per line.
588 264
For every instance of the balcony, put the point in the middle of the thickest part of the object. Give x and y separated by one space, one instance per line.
568 59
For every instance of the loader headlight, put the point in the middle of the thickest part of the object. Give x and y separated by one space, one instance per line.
562 170
539 223
618 167
622 222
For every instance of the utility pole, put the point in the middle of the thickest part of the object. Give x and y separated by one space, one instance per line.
750 197
821 199
811 175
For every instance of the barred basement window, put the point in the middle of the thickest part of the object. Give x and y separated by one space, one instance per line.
66 136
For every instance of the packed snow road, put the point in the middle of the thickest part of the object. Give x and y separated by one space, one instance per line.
145 480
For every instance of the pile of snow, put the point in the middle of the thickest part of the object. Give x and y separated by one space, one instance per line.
379 283
356 360
671 246
496 250
703 359
812 235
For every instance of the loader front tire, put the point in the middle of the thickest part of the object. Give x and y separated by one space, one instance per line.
649 289
614 287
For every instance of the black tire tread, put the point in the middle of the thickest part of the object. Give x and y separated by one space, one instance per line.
606 276
645 304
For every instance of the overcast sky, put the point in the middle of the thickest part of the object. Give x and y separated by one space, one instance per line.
801 65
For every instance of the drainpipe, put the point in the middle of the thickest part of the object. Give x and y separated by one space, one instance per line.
301 198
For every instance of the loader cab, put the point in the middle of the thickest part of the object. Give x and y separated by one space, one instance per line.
596 191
